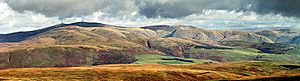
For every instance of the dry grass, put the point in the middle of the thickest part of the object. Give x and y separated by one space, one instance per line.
129 72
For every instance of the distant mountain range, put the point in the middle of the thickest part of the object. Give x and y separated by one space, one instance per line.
180 31
89 43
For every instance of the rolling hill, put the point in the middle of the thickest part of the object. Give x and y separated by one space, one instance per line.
88 43
81 50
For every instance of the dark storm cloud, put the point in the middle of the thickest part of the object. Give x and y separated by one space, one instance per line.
284 7
181 8
68 8
153 8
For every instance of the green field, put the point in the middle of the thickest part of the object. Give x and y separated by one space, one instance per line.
224 55
156 59
246 54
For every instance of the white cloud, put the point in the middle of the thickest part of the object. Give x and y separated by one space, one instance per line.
12 21
296 27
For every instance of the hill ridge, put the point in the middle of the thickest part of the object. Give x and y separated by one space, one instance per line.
20 36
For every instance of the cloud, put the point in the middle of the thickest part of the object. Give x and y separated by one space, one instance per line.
25 15
296 28
182 8
12 21
152 8
70 8
284 7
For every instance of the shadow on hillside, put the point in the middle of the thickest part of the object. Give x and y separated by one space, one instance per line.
292 78
291 67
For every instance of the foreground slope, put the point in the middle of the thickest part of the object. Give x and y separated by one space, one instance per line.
219 71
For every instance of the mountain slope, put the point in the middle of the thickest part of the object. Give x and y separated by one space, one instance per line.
65 46
281 36
182 31
20 36
86 44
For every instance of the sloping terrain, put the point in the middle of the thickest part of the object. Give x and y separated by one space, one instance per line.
87 44
218 71
20 36
281 36
182 31
75 51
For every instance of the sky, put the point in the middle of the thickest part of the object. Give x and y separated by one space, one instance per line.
26 15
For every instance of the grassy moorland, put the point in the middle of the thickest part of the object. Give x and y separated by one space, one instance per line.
157 72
